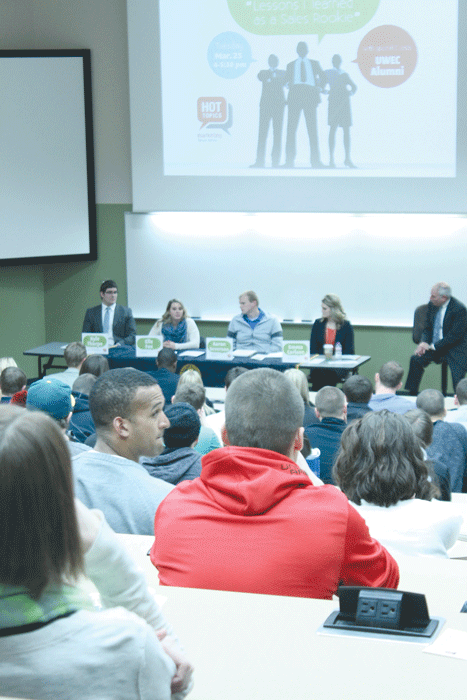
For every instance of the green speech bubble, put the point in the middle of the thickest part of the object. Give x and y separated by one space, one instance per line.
319 17
219 346
295 348
95 342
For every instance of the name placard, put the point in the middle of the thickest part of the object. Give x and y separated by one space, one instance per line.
295 350
148 345
219 348
96 343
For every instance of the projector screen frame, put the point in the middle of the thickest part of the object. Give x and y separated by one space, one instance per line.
90 198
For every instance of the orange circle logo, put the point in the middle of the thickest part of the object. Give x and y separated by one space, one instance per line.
387 56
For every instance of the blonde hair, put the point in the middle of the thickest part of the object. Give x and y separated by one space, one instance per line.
167 318
299 380
337 312
190 374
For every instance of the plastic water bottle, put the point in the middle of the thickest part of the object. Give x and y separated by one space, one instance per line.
338 350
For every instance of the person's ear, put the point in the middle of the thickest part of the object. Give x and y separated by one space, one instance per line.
298 440
456 400
225 437
317 414
121 427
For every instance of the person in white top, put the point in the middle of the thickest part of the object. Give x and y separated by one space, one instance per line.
381 470
179 331
216 421
50 631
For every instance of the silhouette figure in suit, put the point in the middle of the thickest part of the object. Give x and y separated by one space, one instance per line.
305 79
271 108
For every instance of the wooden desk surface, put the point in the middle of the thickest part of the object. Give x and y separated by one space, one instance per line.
257 647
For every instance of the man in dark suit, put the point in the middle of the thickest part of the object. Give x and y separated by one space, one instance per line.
110 317
305 79
444 338
271 107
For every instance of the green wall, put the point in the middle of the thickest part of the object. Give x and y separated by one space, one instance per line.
44 303
70 289
22 313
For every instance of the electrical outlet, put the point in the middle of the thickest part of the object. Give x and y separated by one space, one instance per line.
388 609
378 609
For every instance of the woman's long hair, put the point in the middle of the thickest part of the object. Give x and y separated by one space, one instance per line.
381 461
337 312
167 318
40 542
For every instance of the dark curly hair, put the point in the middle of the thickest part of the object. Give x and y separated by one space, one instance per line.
381 461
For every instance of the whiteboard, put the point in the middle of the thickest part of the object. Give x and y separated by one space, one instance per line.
381 265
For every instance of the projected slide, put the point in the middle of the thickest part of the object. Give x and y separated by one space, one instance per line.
309 88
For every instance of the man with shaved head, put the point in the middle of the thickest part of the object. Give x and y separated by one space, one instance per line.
444 338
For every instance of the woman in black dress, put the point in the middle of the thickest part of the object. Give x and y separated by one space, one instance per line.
341 88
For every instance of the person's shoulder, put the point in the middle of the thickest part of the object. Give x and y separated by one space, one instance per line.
178 496
330 496
111 618
459 431
125 309
313 428
270 317
404 401
82 457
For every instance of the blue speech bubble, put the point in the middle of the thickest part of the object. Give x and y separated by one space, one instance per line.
229 55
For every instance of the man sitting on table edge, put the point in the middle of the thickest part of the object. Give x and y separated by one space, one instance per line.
254 329
253 521
110 317
444 338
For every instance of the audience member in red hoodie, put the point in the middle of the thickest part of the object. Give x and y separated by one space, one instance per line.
253 521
